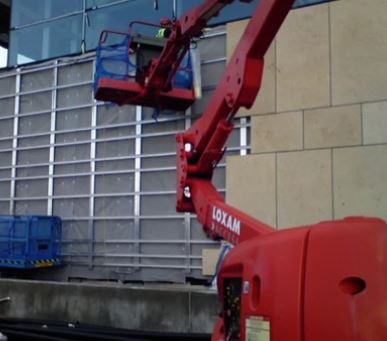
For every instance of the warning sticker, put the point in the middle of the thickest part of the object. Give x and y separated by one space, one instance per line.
257 329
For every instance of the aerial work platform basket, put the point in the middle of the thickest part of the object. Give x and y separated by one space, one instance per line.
123 65
30 241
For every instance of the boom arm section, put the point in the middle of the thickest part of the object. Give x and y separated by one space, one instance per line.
201 147
190 25
239 84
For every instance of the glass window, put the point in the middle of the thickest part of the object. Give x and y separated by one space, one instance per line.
236 10
27 12
118 17
48 40
232 12
96 3
302 3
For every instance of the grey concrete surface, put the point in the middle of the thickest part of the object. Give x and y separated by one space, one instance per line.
154 308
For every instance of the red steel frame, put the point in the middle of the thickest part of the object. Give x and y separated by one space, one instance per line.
312 283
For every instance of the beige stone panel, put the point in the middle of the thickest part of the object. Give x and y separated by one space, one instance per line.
360 181
359 50
277 132
335 126
234 33
304 187
209 259
265 102
250 185
375 123
303 60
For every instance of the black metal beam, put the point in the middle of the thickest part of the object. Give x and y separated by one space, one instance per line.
5 18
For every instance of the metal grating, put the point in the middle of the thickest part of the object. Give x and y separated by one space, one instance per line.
108 171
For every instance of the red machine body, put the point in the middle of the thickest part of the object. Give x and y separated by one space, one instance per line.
314 283
325 282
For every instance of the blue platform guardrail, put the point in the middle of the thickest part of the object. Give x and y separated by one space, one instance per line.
30 241
114 62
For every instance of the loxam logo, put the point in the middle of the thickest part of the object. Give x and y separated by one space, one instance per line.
228 221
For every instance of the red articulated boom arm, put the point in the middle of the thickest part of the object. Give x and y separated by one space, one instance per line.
161 70
202 146
320 282
189 26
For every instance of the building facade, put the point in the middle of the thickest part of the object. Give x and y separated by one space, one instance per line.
45 29
319 126
107 171
312 148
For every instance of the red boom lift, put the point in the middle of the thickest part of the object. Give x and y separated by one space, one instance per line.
325 282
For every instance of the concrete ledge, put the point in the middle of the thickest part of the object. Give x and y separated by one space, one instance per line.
165 308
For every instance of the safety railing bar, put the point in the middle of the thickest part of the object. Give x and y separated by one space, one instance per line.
134 265
129 255
47 89
96 195
128 217
214 61
51 64
98 140
97 173
141 241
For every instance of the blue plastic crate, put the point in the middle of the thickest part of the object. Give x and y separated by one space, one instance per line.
30 241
